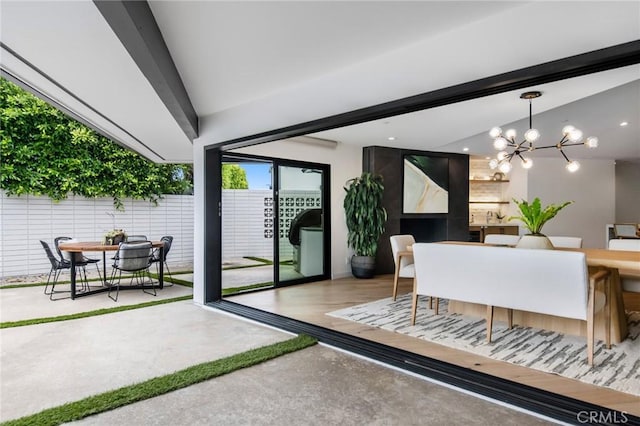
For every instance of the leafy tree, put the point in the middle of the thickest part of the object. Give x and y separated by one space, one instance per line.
234 177
44 152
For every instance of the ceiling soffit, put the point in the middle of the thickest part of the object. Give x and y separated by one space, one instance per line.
480 50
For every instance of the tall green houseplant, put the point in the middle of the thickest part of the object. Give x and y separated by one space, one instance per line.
366 218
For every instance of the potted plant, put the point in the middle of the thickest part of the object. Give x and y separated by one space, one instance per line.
114 237
533 216
365 221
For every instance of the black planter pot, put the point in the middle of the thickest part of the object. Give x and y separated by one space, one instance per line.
363 266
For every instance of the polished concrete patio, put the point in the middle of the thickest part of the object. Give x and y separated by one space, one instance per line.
46 365
23 303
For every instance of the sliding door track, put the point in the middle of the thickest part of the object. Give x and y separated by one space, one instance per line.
539 401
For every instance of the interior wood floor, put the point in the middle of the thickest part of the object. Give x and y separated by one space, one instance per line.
310 303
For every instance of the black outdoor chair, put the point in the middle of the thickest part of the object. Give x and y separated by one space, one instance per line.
155 256
57 266
136 238
134 258
81 260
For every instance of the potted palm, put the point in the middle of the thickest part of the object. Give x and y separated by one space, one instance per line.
365 221
533 216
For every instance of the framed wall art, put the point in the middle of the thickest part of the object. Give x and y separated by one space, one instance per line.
425 186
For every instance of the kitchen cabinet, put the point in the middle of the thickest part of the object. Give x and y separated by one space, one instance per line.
478 231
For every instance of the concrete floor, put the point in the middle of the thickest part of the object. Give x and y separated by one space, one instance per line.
257 274
47 365
315 386
30 302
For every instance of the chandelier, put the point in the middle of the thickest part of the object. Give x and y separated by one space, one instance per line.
507 141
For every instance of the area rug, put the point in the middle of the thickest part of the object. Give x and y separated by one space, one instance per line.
617 368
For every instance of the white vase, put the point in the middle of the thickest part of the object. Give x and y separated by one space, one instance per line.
531 241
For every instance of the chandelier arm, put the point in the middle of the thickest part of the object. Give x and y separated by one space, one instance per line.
573 144
545 147
564 155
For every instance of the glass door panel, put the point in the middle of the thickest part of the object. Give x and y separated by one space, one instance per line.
301 239
247 217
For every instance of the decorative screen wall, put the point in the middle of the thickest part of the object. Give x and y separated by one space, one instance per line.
248 221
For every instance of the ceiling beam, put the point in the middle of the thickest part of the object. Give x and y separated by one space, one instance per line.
573 66
134 24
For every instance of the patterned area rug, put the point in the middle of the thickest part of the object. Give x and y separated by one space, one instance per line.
616 368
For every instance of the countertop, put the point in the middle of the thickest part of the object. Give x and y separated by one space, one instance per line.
492 224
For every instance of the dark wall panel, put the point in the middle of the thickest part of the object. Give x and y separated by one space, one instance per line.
453 225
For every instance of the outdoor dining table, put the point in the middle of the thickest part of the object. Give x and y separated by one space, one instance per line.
78 247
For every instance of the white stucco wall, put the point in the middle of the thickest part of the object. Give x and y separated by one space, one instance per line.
345 162
198 222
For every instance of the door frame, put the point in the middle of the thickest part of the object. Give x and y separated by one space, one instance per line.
213 219
326 226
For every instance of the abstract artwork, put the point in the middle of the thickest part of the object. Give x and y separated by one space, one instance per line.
426 184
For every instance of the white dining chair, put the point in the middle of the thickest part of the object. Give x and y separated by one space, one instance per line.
501 239
630 282
565 242
406 268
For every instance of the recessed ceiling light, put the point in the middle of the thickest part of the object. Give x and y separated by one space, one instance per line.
392 138
624 123
465 149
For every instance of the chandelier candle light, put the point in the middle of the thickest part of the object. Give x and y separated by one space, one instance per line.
507 140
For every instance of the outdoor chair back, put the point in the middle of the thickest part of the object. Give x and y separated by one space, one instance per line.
133 257
57 266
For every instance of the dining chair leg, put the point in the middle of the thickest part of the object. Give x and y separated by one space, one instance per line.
168 272
489 322
396 275
117 286
49 280
144 290
53 287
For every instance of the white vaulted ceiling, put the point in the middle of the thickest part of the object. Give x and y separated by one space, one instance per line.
250 67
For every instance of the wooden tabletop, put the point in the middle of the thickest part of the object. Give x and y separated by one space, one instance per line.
81 246
628 261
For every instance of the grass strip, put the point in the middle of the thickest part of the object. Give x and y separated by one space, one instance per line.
104 311
229 268
179 282
173 280
259 259
234 290
25 285
160 385
90 279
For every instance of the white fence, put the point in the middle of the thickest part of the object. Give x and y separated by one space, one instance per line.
247 224
247 221
26 220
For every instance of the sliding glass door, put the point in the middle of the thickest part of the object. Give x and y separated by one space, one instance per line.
301 244
273 227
